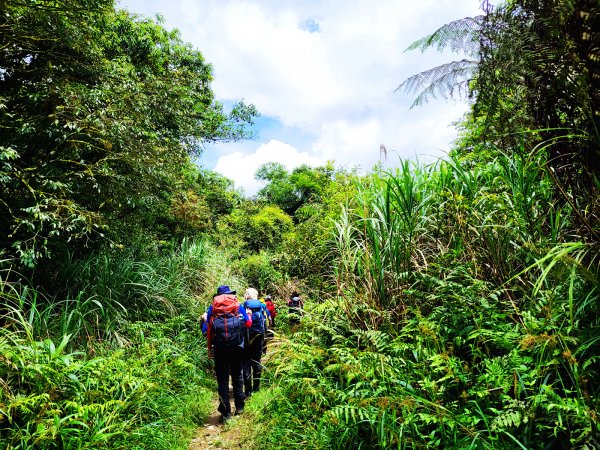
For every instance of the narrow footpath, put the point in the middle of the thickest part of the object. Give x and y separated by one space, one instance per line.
229 436
216 436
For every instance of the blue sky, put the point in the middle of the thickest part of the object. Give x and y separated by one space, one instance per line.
322 73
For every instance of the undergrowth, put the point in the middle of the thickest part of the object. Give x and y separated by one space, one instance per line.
466 317
120 368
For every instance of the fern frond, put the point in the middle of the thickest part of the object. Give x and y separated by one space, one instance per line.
459 35
447 81
350 414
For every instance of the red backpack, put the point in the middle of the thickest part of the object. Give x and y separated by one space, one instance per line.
227 325
271 308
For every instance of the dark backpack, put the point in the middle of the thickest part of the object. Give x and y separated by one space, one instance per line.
227 325
259 324
294 305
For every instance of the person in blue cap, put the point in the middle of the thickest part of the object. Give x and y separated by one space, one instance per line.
226 319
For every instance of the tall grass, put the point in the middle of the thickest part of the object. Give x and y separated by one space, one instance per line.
471 320
378 240
117 363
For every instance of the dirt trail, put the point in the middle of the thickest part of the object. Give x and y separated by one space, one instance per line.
216 436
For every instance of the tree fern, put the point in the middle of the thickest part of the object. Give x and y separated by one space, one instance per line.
461 36
451 79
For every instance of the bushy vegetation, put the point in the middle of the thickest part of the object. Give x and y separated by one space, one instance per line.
466 308
116 366
101 280
467 318
92 143
452 305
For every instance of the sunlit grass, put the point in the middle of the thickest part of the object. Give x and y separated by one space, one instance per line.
117 365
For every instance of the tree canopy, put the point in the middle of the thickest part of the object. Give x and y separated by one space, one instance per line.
99 111
292 190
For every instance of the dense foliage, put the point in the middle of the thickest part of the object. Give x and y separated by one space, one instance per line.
453 305
467 318
466 313
290 191
532 69
78 373
99 112
101 116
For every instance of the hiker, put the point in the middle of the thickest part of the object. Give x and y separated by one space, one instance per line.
295 306
272 310
227 320
256 340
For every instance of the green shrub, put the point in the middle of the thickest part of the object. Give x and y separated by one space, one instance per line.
121 398
460 322
259 272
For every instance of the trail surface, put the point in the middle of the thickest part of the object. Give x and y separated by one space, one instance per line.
216 436
229 436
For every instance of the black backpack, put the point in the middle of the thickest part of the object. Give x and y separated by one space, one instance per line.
294 305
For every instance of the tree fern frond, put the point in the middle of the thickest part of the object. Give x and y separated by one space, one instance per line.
446 81
460 36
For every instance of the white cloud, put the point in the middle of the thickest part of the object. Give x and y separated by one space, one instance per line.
242 167
333 80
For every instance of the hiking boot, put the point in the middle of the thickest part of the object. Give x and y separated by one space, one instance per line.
225 417
239 412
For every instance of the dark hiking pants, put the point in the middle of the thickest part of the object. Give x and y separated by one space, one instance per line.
228 363
252 365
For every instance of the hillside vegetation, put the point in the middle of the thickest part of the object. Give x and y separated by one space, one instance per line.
450 305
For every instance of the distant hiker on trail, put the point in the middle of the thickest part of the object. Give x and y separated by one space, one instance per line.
272 310
226 319
295 305
256 339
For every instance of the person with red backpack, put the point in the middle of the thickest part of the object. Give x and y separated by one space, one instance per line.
271 308
227 320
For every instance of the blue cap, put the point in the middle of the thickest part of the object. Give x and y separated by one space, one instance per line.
224 289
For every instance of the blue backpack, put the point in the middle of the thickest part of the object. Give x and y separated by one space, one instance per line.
259 313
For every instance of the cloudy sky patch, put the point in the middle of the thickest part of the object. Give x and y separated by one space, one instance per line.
241 167
322 74
310 25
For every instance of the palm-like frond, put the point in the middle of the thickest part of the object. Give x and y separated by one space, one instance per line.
461 36
451 79
447 81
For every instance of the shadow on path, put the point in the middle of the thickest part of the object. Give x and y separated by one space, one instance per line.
230 436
